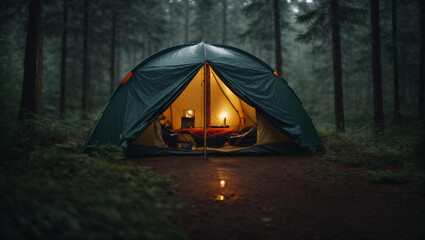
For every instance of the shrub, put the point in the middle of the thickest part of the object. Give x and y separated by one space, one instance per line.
63 195
388 177
396 177
361 148
48 190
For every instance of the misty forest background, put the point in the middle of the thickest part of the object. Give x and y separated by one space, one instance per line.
120 34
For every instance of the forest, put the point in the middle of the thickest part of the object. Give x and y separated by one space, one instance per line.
357 66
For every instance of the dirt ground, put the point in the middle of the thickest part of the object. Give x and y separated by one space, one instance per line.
286 197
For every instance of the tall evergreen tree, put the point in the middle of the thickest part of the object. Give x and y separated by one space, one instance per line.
378 109
421 59
28 105
224 21
39 73
277 37
112 56
85 79
324 20
395 63
337 68
204 21
186 23
262 27
63 59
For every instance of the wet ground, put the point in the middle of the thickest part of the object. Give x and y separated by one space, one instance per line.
287 198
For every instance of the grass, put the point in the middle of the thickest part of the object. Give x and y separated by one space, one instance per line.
389 177
394 157
48 190
394 177
362 148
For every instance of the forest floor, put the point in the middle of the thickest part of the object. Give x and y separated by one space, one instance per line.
287 197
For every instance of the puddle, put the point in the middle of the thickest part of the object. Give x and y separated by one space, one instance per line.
220 196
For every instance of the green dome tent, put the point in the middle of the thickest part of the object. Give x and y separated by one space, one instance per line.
204 91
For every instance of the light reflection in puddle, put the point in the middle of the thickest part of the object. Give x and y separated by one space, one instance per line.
220 197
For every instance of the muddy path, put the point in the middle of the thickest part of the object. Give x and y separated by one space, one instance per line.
286 197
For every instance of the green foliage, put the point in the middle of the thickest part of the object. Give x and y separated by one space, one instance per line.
63 195
361 148
19 139
48 190
394 177
108 152
388 177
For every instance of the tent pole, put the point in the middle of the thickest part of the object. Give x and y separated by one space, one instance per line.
205 110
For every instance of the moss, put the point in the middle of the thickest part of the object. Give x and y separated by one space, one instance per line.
48 190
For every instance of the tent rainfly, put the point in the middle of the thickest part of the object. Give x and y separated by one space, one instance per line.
204 98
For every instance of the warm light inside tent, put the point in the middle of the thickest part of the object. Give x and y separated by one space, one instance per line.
189 113
224 117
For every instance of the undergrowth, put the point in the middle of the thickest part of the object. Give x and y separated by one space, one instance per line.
363 148
49 191
393 157
394 177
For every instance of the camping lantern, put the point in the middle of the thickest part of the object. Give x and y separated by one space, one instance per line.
189 113
222 183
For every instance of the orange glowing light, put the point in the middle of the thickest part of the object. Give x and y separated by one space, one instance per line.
189 113
222 183
221 197
224 116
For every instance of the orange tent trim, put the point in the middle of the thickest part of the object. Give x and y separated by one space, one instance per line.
127 77
275 73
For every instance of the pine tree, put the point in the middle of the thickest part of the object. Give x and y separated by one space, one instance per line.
378 112
421 59
277 40
186 23
224 21
85 79
112 55
324 19
337 68
28 105
265 24
63 59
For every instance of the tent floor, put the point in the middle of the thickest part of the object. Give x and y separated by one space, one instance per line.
283 148
224 148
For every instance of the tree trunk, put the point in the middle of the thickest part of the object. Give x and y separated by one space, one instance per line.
421 60
85 80
186 25
395 64
39 72
278 53
224 23
63 59
28 98
113 43
337 68
378 112
118 50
